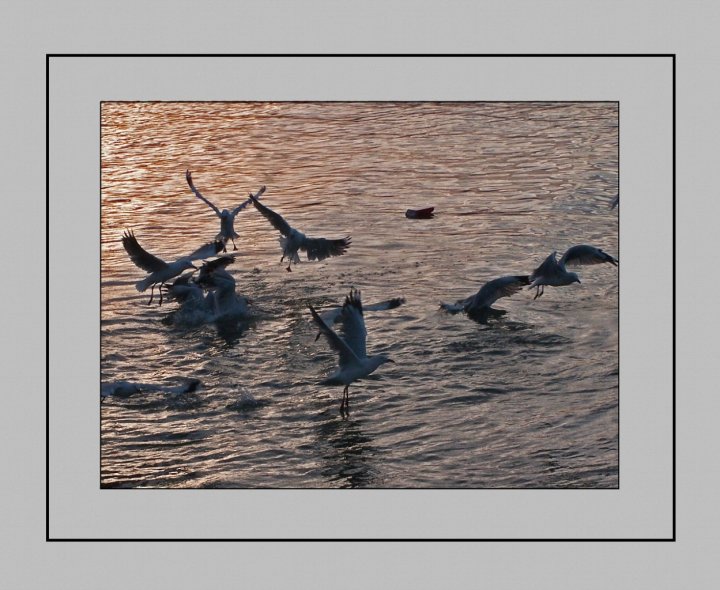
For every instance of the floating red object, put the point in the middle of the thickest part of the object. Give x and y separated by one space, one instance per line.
426 213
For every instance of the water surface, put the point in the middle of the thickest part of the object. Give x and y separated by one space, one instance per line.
530 400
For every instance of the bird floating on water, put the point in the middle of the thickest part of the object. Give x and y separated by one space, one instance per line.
210 296
354 363
227 218
426 213
125 389
292 240
479 306
161 271
553 272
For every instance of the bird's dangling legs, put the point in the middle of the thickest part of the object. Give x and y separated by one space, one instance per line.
234 246
161 293
539 290
343 404
288 268
152 293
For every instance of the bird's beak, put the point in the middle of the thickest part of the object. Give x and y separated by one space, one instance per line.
391 361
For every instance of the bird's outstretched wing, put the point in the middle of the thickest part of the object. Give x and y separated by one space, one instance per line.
383 305
247 201
585 254
275 219
332 316
205 251
188 177
347 355
141 257
496 289
353 324
322 248
548 268
221 262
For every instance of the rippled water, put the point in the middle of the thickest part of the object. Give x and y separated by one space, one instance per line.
530 400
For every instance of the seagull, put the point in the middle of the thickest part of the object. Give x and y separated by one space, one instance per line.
479 306
222 300
220 303
213 273
185 289
615 201
124 389
353 362
553 272
227 218
161 271
292 240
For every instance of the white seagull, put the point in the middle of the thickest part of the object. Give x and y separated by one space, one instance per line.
479 306
353 362
292 240
227 218
222 300
161 271
553 272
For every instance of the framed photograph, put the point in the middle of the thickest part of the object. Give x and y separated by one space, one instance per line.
363 297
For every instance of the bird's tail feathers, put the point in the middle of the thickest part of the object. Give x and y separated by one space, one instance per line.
144 284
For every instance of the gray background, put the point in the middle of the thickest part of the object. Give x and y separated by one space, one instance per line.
640 509
31 31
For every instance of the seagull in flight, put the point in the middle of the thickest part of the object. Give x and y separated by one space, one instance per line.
354 363
292 240
479 306
159 270
227 218
553 272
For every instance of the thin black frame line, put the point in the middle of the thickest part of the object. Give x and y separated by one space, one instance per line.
47 191
47 297
674 373
350 540
371 55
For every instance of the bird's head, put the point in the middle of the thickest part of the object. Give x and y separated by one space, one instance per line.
383 358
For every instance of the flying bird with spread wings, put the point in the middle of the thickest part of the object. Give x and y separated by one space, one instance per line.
354 363
553 272
292 240
158 270
479 306
227 218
